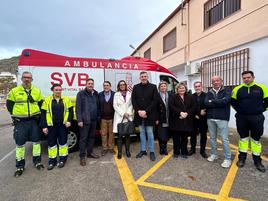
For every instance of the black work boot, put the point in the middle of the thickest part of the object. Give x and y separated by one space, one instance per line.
18 172
119 147
240 163
241 159
128 154
258 164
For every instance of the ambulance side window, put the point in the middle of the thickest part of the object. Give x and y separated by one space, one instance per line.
172 82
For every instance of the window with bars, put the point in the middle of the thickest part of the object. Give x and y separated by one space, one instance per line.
147 54
170 40
229 67
216 10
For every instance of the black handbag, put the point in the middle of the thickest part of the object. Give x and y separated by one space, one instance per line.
125 128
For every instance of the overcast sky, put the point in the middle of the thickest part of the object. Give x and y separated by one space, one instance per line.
84 28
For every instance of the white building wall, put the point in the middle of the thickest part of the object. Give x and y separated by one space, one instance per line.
258 63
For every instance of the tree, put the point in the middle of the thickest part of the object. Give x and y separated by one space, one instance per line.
6 84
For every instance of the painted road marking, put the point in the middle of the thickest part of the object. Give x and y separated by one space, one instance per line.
131 188
7 155
229 180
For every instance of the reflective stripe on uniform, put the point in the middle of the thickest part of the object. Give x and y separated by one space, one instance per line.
25 115
63 150
20 152
243 144
47 105
36 149
52 151
256 147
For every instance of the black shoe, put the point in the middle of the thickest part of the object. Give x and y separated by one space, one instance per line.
92 155
61 164
204 155
128 154
184 156
142 153
175 156
152 156
39 166
191 152
50 166
119 155
18 172
260 167
165 152
104 152
240 163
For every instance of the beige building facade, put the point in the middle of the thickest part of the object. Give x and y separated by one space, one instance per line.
202 38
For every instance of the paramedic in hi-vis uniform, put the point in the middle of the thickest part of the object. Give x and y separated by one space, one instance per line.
250 100
24 103
57 114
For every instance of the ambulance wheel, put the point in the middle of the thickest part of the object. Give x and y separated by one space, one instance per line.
73 141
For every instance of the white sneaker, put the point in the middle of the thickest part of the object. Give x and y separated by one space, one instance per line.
226 163
212 157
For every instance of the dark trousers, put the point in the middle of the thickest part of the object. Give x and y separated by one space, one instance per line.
57 134
87 139
120 143
180 142
250 126
199 127
26 131
162 137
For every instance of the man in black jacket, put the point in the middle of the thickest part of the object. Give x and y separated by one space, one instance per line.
250 100
200 121
144 99
87 114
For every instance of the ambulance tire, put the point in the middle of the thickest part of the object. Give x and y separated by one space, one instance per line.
73 140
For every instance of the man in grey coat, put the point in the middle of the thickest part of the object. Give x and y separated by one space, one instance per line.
87 114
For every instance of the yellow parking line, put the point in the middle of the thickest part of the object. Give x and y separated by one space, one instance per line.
131 188
228 182
179 190
154 168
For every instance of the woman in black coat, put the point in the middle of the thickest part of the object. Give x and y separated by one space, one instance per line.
162 118
182 109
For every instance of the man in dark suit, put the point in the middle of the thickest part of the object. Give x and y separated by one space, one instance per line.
200 121
144 100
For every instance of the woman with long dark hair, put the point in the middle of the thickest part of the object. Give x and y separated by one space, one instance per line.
123 112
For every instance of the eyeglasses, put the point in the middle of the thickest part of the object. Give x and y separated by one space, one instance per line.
27 77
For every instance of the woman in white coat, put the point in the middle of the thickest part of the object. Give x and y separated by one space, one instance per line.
123 111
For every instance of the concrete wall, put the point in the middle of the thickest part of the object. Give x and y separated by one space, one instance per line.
258 63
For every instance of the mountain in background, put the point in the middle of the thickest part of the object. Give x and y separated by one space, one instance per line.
9 65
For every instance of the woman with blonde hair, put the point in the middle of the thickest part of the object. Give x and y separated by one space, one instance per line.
163 118
182 108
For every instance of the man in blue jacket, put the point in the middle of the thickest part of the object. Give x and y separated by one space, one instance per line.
217 102
250 100
87 114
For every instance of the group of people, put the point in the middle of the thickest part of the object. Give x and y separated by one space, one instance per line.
180 115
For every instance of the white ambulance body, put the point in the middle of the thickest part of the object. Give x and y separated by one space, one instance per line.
72 73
